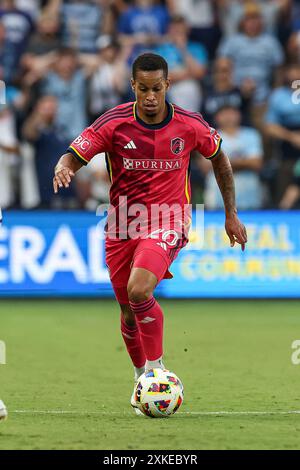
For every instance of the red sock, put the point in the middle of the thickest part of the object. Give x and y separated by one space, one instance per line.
150 320
132 339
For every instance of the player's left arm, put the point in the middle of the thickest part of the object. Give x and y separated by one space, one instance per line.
235 230
208 142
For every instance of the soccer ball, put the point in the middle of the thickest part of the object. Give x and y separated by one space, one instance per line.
3 411
158 393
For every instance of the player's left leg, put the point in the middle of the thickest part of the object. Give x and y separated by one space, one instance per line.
151 261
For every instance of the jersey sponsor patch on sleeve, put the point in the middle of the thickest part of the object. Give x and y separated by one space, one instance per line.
216 138
82 144
88 144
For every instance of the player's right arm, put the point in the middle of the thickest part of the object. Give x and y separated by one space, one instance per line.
65 170
93 140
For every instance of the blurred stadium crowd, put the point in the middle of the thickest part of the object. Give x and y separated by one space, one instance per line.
64 62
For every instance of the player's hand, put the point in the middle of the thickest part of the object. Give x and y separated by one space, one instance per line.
62 178
236 231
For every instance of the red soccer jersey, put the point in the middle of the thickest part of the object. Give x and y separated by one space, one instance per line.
149 164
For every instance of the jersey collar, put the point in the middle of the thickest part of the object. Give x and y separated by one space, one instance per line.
160 125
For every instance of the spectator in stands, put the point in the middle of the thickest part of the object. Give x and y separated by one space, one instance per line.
222 91
273 11
18 27
201 16
41 50
67 82
283 124
187 62
291 197
7 60
48 140
142 26
9 149
46 37
295 16
82 22
293 46
32 33
255 56
109 82
32 7
244 148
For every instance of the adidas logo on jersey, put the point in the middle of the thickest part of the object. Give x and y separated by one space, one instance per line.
163 245
131 145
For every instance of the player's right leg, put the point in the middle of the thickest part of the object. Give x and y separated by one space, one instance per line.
118 259
147 311
132 340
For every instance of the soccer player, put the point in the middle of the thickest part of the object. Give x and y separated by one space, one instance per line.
148 145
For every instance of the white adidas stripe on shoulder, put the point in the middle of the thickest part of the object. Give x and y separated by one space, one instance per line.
130 145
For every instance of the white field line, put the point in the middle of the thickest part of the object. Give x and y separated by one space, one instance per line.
181 413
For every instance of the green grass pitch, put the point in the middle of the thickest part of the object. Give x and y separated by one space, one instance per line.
68 380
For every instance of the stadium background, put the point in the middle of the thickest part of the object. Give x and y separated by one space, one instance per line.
62 63
65 62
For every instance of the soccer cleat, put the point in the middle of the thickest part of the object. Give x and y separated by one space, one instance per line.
3 411
137 374
138 371
158 364
134 403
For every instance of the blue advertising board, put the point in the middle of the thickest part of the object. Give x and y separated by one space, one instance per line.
269 267
62 254
52 254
